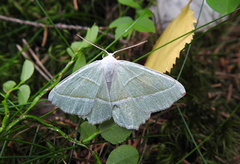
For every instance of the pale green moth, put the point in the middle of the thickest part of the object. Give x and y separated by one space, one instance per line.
107 88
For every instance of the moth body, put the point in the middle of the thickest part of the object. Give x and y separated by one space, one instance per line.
109 64
122 90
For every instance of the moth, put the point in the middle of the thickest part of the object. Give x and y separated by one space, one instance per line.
118 89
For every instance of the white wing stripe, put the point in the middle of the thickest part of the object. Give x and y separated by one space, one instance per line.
82 98
141 97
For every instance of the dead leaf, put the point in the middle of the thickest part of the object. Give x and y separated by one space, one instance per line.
163 59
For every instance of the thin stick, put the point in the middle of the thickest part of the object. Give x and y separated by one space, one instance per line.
37 68
38 62
58 25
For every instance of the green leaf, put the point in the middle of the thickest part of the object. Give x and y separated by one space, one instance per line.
27 70
130 3
7 86
122 29
86 130
81 61
144 25
124 154
223 6
23 94
122 24
91 36
142 11
75 46
78 45
113 133
120 21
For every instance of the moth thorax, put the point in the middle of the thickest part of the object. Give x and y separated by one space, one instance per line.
109 64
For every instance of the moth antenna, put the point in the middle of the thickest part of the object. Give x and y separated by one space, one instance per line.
129 47
92 44
106 50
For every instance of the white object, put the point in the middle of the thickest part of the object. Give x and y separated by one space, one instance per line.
166 10
107 88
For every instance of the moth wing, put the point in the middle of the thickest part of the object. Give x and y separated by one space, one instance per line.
79 93
143 91
101 109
